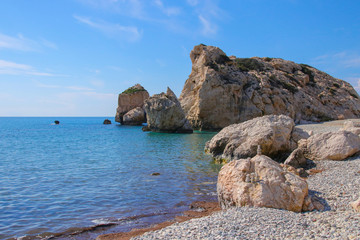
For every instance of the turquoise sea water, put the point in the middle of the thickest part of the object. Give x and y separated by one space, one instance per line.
82 173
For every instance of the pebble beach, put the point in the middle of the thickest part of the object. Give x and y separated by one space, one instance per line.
335 183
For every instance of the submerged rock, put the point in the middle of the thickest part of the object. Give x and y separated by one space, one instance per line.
107 121
131 98
164 114
224 90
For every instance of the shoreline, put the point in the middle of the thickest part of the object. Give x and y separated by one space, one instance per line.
197 209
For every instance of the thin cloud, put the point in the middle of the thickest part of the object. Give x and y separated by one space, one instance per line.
12 68
129 33
344 59
21 43
169 11
132 8
207 27
75 88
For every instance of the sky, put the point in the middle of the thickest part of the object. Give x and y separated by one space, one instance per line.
73 57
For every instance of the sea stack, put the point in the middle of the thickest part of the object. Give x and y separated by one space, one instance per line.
224 90
164 114
130 99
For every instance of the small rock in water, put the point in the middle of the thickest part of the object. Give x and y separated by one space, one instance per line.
155 174
56 122
107 121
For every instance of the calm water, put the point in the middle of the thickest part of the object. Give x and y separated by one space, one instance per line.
82 173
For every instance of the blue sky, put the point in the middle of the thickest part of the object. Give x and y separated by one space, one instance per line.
73 57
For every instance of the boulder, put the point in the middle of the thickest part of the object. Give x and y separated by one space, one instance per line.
356 205
352 126
261 182
164 114
223 90
271 132
57 122
331 145
129 99
296 159
135 116
107 121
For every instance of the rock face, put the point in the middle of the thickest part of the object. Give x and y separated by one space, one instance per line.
271 132
331 145
223 90
164 114
135 116
261 182
129 99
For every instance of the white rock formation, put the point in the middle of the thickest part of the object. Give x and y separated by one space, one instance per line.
271 132
261 182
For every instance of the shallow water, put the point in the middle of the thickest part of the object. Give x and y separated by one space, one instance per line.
82 173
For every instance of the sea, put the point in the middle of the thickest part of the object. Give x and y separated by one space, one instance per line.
82 178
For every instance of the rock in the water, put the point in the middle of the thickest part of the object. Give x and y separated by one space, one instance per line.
260 182
356 205
57 122
135 116
296 159
221 91
331 145
129 99
107 121
164 114
271 132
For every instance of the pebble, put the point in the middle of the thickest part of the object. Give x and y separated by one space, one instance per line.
336 187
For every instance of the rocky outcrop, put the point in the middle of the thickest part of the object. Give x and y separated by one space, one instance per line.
164 114
135 116
223 90
129 99
261 182
107 121
272 133
331 145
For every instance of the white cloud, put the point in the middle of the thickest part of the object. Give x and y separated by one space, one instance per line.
169 11
129 33
207 27
75 88
12 68
193 2
344 59
132 8
23 44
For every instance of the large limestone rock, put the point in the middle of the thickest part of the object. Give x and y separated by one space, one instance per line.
135 116
271 132
129 99
164 114
331 145
261 182
223 90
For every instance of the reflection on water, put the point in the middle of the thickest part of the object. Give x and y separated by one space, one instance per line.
81 173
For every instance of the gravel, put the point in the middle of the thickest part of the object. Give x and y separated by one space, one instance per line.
336 186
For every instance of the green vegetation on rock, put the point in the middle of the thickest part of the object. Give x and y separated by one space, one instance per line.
132 90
